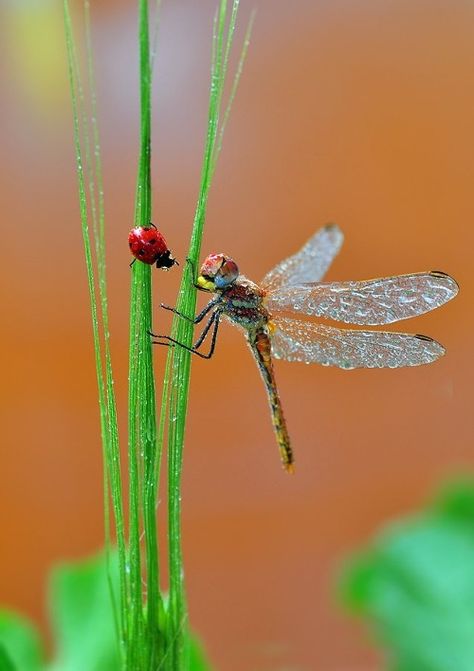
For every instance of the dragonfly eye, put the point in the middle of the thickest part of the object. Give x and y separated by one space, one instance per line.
227 273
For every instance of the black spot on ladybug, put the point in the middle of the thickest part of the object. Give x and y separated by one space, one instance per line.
153 241
141 252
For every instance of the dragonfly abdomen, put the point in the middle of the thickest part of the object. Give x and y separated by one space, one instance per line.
261 348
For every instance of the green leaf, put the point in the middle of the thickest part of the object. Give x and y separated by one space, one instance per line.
6 663
82 617
415 585
20 644
456 500
195 656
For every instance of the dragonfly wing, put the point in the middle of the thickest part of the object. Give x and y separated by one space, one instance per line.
310 263
371 302
295 340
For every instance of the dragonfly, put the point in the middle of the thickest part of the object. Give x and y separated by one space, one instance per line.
294 287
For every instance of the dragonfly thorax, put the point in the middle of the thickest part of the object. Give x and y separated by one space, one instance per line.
242 303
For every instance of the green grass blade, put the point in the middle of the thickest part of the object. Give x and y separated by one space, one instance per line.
144 457
179 360
96 192
108 418
235 85
151 454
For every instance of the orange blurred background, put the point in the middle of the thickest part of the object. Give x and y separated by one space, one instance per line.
355 112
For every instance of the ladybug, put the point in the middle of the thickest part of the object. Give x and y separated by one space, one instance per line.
149 246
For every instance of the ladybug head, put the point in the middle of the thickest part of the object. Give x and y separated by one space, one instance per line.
165 260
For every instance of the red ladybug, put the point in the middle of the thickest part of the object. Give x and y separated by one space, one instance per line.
149 246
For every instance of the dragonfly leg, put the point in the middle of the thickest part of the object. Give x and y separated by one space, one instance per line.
214 320
198 318
190 262
204 332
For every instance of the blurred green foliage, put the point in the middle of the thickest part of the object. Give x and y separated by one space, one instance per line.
82 623
415 585
82 617
20 644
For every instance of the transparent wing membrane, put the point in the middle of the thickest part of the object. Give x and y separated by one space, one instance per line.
310 263
371 302
295 340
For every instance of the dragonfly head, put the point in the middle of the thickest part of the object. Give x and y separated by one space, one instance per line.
217 272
